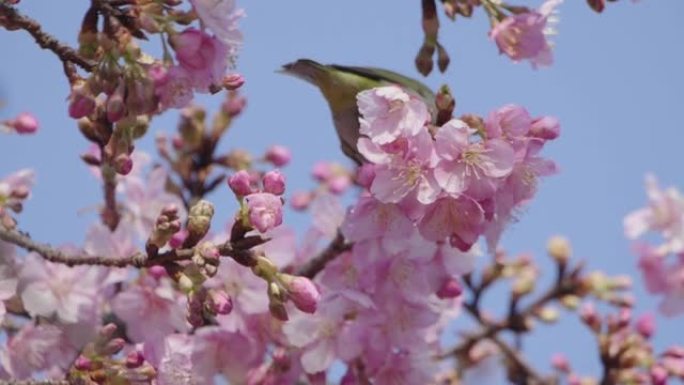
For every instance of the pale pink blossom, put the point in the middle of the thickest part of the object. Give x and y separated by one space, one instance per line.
37 348
52 289
371 218
151 309
461 220
474 168
388 113
179 366
664 214
15 188
403 167
221 17
8 275
173 86
326 335
265 211
524 35
203 57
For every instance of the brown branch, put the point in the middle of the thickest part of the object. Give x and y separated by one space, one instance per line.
55 255
12 20
335 248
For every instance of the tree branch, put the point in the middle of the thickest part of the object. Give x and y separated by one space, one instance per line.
11 19
335 248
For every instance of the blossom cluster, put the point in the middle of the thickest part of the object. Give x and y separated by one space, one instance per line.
662 264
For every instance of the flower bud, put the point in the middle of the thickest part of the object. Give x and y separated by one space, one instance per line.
279 156
178 238
303 293
116 108
123 164
300 200
134 359
658 375
220 302
546 127
559 249
560 362
645 325
234 106
274 182
83 363
233 81
24 123
107 331
240 183
199 220
185 283
590 317
451 288
548 314
157 272
81 102
365 175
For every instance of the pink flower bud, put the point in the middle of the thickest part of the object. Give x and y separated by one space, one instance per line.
279 156
134 359
177 239
658 375
233 81
274 182
220 302
300 200
265 211
322 171
240 183
81 102
365 175
24 123
116 108
645 325
157 272
303 294
560 363
123 164
546 127
339 183
83 363
234 106
451 288
107 331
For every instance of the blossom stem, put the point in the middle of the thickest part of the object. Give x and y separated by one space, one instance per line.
11 19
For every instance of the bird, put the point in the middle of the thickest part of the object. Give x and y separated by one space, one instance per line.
340 84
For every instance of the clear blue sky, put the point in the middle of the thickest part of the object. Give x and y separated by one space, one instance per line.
617 87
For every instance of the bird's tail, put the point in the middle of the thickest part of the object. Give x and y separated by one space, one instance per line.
305 69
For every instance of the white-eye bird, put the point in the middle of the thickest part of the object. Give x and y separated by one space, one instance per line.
340 85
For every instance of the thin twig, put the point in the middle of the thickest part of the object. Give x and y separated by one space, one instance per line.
11 19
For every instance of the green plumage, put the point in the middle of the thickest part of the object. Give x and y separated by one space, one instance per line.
341 84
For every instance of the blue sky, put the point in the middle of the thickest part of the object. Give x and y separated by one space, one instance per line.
617 87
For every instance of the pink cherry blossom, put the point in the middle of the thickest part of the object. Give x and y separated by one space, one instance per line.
203 57
405 167
221 17
70 293
173 86
8 275
151 309
524 35
467 167
388 113
459 219
265 211
664 214
37 348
